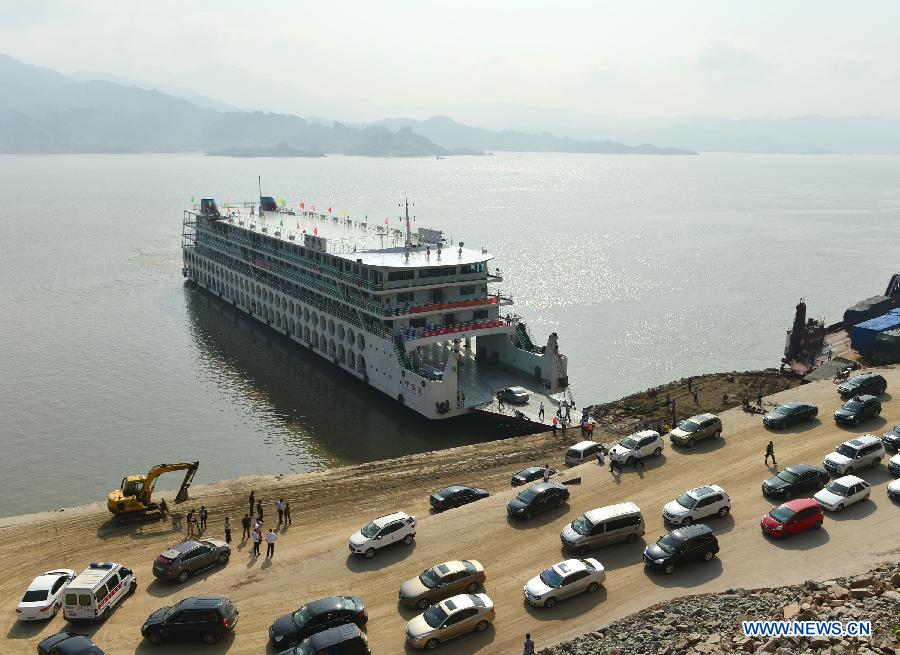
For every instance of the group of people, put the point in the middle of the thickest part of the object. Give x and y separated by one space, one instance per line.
255 534
196 521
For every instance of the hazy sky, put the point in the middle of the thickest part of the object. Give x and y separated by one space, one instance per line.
628 58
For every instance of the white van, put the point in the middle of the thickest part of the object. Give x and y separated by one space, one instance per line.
97 590
582 452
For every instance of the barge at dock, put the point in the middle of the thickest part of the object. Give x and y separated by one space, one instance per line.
405 312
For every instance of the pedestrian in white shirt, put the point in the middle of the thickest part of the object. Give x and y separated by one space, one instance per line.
270 543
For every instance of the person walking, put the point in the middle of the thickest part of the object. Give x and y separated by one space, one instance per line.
190 522
614 464
256 537
555 421
528 647
270 543
696 395
227 530
252 502
601 455
590 430
259 509
770 452
203 516
287 513
541 411
245 523
759 398
279 506
546 472
636 458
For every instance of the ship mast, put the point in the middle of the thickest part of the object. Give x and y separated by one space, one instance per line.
408 231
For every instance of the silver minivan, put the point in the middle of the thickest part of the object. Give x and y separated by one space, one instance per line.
582 452
603 526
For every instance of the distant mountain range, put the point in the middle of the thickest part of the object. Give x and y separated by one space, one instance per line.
42 110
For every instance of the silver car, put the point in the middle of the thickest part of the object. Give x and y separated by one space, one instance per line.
565 579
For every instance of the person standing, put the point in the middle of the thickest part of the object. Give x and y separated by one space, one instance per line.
227 530
270 543
614 464
252 501
590 430
541 411
770 452
546 472
256 538
203 516
279 506
190 522
287 513
759 398
601 454
636 458
259 509
528 647
245 523
555 421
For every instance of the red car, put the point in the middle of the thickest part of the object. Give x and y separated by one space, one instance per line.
793 517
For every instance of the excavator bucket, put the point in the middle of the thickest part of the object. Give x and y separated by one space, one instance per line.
186 483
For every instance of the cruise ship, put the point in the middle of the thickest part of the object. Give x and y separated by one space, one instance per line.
405 312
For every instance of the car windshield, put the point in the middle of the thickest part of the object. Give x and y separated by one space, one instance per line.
370 530
837 489
301 616
34 596
852 405
435 616
629 442
429 578
669 543
847 451
787 409
550 577
686 501
781 514
528 495
787 476
688 426
856 381
582 525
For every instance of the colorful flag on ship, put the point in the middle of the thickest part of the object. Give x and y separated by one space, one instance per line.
302 205
385 220
329 210
316 231
281 223
193 200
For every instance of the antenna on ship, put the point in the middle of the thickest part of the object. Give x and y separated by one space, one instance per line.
259 184
408 231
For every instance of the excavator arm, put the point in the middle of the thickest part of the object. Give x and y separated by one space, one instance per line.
190 469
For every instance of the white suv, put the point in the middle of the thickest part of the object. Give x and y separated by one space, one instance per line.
647 443
383 531
852 455
698 503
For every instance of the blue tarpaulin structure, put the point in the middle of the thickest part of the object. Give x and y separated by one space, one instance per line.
862 338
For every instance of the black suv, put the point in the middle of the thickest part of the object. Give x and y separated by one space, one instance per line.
346 639
796 480
892 439
319 615
182 560
536 499
682 545
68 643
207 617
865 383
858 409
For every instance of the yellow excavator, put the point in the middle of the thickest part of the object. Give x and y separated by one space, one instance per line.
132 501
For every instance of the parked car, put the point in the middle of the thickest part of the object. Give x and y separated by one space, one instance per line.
582 452
516 395
603 526
891 440
319 615
96 591
456 496
680 546
692 430
68 643
854 454
345 639
893 489
389 529
450 618
790 414
698 503
183 560
894 465
44 595
647 443
536 499
441 581
795 480
843 492
793 517
857 409
573 576
200 617
530 474
864 383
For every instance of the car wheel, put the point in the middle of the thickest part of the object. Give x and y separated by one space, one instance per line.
591 588
723 512
848 470
471 588
133 587
717 434
431 644
629 461
209 638
103 615
560 502
690 443
708 555
55 610
787 495
856 421
222 558
876 462
550 602
657 452
370 553
670 568
583 550
528 516
839 508
631 538
408 539
155 638
183 576
687 520
817 525
785 534
481 626
423 604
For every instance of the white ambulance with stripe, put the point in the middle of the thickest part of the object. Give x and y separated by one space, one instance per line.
97 590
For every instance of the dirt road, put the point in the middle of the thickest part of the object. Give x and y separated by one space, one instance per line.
312 557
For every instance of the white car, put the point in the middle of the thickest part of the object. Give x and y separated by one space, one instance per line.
852 455
383 531
647 443
894 465
693 504
893 489
517 395
565 579
842 492
43 598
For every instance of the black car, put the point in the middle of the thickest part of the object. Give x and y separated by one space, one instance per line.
182 560
456 496
891 439
789 414
536 499
206 617
68 643
693 542
865 383
796 480
317 616
858 409
346 639
530 474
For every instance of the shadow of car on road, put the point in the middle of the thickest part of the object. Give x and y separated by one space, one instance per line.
383 558
858 510
539 520
466 644
803 541
567 608
689 574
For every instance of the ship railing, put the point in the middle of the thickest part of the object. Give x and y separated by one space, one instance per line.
452 304
412 334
